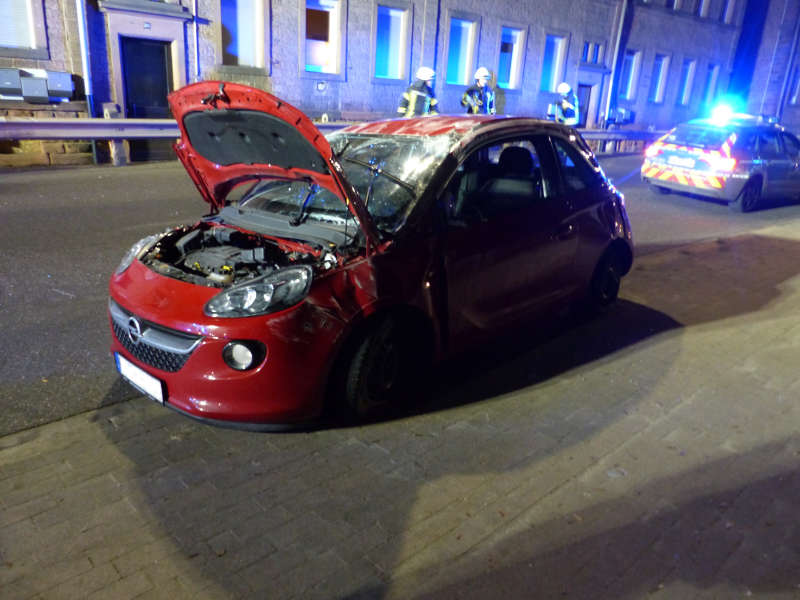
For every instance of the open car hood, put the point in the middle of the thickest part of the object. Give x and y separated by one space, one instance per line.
231 133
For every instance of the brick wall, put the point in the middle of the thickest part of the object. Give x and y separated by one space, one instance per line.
25 153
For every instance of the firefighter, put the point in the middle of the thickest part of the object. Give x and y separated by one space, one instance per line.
567 106
419 99
479 97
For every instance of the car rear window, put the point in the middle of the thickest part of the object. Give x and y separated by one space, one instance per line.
692 135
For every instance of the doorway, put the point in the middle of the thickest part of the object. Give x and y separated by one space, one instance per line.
147 77
584 98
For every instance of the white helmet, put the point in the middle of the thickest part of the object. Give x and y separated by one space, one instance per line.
425 73
482 73
563 88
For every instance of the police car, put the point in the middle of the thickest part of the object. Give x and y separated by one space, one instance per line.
738 159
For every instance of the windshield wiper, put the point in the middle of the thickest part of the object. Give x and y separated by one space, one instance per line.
378 171
303 213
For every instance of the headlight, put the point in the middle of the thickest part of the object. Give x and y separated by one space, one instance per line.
137 250
279 290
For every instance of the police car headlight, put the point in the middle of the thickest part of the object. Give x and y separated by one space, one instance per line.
276 291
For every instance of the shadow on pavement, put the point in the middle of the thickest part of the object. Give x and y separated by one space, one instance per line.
706 527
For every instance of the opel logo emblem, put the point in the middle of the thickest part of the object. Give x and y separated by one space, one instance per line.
134 330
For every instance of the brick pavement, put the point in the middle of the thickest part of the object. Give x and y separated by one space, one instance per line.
651 452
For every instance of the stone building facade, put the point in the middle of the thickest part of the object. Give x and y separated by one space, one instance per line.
638 63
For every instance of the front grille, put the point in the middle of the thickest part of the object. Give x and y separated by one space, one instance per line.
155 357
157 346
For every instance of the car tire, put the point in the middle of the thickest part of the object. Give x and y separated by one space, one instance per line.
660 189
748 199
377 371
606 281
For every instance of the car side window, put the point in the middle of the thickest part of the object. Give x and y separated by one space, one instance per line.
769 146
576 172
497 179
746 141
792 145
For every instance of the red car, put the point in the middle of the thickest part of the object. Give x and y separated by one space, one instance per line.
330 270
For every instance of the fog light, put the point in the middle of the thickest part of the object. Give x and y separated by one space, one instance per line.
243 355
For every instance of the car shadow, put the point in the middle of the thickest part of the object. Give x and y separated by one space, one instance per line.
765 204
335 513
657 538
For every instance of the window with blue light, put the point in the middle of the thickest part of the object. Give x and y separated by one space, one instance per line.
701 10
509 68
461 51
658 81
242 32
391 42
794 98
629 75
710 88
553 62
726 15
323 41
687 81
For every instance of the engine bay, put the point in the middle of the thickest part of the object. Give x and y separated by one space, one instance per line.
217 256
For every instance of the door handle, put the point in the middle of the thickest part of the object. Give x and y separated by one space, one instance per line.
566 231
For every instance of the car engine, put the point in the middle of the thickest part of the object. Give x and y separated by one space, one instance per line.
216 256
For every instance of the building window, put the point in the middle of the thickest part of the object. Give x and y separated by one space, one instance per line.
794 98
702 8
324 40
658 81
461 51
555 54
22 33
710 89
687 81
512 48
391 42
243 32
726 16
629 76
592 53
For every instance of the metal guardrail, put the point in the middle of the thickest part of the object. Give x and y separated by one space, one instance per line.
22 128
117 130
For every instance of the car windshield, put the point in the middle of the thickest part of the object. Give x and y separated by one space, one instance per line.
695 135
390 172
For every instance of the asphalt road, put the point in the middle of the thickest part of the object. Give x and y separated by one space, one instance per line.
63 231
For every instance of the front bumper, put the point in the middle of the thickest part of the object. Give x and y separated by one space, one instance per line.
720 186
183 350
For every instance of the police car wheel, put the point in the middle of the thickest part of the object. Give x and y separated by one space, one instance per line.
748 199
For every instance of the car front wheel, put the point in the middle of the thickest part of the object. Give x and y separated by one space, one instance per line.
377 373
748 199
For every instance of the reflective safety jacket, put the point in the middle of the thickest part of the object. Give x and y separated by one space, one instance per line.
478 100
418 100
567 111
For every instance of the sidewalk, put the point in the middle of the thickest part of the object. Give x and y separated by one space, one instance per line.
651 452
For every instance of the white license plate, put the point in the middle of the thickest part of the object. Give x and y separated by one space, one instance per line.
679 161
145 382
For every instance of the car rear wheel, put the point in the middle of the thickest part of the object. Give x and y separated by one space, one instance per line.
660 189
605 284
748 199
378 371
